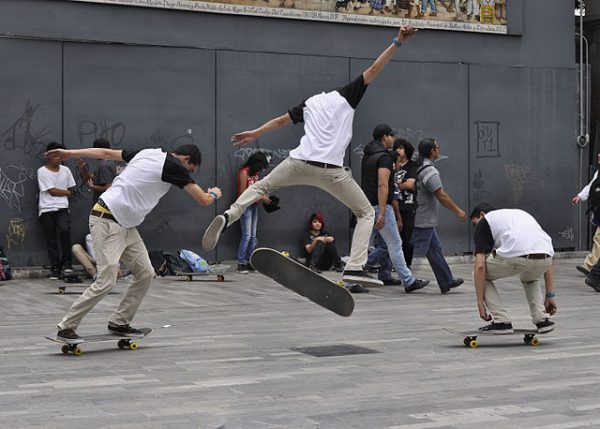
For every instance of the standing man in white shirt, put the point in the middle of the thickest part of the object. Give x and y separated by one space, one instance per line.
55 182
318 160
510 242
134 193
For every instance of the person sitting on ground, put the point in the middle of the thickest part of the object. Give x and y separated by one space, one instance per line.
321 251
510 242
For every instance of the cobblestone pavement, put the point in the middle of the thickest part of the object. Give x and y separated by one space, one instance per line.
233 355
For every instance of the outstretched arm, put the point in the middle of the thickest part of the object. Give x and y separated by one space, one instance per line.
246 137
404 34
95 153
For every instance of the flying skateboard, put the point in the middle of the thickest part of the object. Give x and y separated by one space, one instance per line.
470 337
302 280
123 341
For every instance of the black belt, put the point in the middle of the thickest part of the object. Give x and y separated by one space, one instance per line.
535 256
322 164
103 215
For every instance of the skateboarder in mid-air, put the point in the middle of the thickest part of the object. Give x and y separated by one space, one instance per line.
318 160
510 242
113 220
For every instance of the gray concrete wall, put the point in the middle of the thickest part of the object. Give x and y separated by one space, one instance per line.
502 107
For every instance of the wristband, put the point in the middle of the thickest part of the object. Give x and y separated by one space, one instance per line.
396 42
214 195
550 294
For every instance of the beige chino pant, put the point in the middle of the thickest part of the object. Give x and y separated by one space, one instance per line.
529 271
112 243
594 255
336 181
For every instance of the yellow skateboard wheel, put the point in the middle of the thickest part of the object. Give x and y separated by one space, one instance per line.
473 344
77 351
285 253
133 345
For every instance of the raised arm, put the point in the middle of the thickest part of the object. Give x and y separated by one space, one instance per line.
246 137
95 153
404 34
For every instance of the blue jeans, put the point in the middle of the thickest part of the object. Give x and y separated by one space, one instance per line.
427 243
424 5
380 255
248 221
391 236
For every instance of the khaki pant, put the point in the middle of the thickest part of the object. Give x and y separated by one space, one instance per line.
111 243
337 181
594 255
529 271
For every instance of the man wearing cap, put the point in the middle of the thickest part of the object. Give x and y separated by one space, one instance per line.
378 185
510 242
318 160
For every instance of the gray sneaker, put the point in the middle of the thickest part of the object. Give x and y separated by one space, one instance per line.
213 232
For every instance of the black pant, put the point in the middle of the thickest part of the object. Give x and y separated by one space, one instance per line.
408 223
57 228
324 255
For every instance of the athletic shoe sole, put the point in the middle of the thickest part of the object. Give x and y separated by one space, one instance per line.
499 331
213 232
593 285
362 280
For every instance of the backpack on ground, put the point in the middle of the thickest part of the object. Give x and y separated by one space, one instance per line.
159 263
175 264
5 270
196 263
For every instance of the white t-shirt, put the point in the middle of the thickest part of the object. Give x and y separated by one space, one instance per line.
328 119
515 233
62 179
138 189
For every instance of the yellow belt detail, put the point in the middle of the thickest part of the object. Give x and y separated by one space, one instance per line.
101 209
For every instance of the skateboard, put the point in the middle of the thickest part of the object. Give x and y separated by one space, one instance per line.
470 337
299 278
217 270
123 341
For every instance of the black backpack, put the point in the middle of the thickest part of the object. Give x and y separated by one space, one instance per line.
594 199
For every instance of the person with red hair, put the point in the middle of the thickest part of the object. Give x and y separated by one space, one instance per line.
321 251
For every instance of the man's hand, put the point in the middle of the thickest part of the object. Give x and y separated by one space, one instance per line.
406 32
576 200
63 154
216 191
243 138
462 216
550 306
483 312
266 199
380 222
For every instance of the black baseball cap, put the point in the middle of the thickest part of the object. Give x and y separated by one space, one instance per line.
382 130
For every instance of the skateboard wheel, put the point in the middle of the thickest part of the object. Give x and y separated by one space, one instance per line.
188 279
466 342
534 341
133 345
220 278
340 283
473 343
77 351
61 290
65 349
123 344
285 253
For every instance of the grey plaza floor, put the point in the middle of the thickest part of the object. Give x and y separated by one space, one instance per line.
237 354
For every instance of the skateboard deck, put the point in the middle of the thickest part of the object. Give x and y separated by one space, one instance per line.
297 277
123 341
470 337
217 270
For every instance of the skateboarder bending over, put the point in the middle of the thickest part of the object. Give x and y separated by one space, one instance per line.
318 160
121 208
510 242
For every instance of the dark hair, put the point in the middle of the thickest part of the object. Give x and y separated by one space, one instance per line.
318 216
409 149
482 207
190 150
101 143
395 155
258 161
54 145
425 147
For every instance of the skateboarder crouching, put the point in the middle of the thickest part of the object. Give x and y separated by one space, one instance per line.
113 220
318 160
510 242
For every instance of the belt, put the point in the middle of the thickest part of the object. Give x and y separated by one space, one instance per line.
535 256
103 215
321 164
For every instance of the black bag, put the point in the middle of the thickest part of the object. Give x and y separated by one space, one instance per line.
5 270
175 264
594 200
159 263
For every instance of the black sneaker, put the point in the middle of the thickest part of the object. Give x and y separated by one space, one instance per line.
67 269
54 274
545 325
213 232
392 282
123 330
250 268
582 270
67 334
338 268
315 269
497 328
372 268
356 288
360 276
242 269
453 283
593 282
417 284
